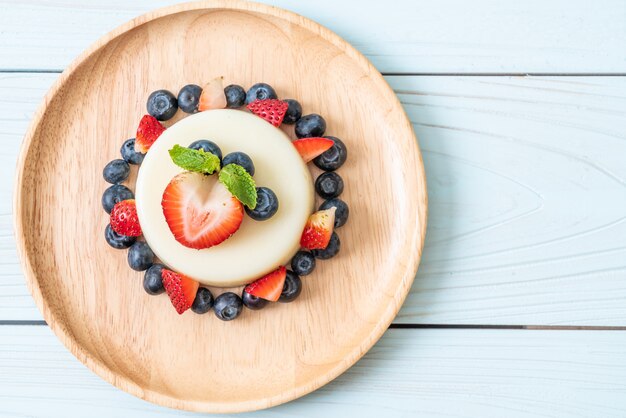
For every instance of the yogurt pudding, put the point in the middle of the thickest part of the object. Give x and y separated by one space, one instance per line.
224 198
257 248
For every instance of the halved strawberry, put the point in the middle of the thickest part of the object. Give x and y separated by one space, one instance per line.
272 110
270 286
181 289
309 148
200 211
318 229
212 96
148 131
124 218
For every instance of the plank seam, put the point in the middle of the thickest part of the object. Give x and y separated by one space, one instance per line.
420 326
504 74
520 327
405 74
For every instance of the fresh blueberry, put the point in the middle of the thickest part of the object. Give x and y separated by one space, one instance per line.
331 249
129 154
114 194
292 288
116 240
294 112
260 91
203 301
140 256
162 104
266 204
227 306
303 263
153 281
240 158
116 171
342 212
207 146
310 125
329 185
189 98
334 157
235 96
253 302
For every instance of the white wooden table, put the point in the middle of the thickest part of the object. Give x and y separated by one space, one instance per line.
519 307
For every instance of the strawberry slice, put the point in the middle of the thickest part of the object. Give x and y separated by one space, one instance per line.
212 96
181 289
318 229
270 286
272 110
124 218
148 131
309 148
200 210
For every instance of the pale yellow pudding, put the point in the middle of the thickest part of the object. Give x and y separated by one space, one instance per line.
258 247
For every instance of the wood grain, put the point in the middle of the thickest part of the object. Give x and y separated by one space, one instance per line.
409 373
448 36
518 143
527 188
84 288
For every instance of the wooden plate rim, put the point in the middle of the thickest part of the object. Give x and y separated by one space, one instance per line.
156 397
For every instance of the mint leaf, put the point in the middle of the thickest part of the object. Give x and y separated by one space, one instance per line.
194 160
239 183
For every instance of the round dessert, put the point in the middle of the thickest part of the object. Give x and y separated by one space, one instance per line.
224 198
258 247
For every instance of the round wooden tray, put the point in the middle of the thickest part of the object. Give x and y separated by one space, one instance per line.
93 301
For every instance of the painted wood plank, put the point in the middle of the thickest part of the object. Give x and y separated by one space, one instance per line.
449 36
427 372
25 92
526 194
527 185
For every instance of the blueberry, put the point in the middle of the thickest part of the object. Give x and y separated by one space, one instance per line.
235 96
203 301
253 302
116 240
189 97
266 204
310 125
303 263
292 288
153 281
129 154
162 104
241 159
207 146
342 212
329 185
331 249
334 157
140 256
114 194
227 306
294 112
260 91
116 171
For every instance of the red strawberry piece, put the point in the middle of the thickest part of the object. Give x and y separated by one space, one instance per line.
318 229
272 110
148 131
309 148
200 210
124 218
270 286
212 96
181 289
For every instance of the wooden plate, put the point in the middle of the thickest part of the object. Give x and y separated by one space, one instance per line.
96 305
